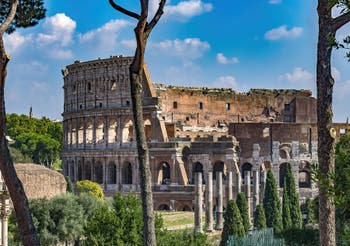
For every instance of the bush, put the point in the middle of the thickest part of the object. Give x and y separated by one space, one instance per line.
92 188
182 238
304 237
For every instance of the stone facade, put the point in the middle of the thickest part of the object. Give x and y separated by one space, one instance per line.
188 130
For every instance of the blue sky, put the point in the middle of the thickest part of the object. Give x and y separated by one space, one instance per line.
207 43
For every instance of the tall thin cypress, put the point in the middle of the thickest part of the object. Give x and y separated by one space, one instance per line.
286 219
272 204
295 212
259 217
242 205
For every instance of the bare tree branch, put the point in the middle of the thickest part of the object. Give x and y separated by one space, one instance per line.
123 10
156 17
339 21
9 18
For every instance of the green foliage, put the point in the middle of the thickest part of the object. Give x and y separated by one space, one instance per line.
233 224
18 157
29 12
182 238
305 237
90 187
272 204
293 198
242 205
316 205
310 216
259 217
69 188
286 219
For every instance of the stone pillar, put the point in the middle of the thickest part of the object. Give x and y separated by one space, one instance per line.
229 186
198 204
256 193
238 184
5 212
262 184
209 203
219 205
247 190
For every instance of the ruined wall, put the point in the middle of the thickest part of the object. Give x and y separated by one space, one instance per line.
215 107
39 181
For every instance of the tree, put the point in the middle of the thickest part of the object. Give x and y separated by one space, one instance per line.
272 204
69 188
328 27
14 14
243 209
142 31
90 187
233 224
286 219
259 217
309 207
293 198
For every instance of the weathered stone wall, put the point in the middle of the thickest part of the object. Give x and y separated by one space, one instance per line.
39 181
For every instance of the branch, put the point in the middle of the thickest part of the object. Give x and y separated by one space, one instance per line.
156 17
339 21
9 18
124 11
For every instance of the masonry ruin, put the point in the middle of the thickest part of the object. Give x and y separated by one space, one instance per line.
222 134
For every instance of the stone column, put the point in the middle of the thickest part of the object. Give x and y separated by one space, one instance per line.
262 184
256 198
229 186
247 190
209 203
5 212
238 184
219 206
198 204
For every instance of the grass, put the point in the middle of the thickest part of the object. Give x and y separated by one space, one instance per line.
178 219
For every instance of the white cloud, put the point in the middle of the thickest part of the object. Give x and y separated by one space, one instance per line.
16 41
283 32
187 49
185 10
336 74
224 60
60 29
275 1
129 43
226 82
299 75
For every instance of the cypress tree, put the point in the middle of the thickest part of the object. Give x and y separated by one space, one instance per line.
272 204
259 217
242 205
295 212
310 219
233 224
286 219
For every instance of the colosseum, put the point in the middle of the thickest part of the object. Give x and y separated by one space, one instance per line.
188 130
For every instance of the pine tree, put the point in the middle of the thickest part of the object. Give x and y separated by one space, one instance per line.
259 217
242 205
233 224
295 212
286 219
272 204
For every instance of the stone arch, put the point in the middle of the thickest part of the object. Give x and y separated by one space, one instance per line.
148 129
285 151
87 171
127 173
112 173
198 167
304 175
99 131
112 131
128 132
163 207
98 172
246 167
282 173
219 166
164 173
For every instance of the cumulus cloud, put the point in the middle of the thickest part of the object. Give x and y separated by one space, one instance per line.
224 60
275 1
16 41
185 10
283 32
226 82
129 43
299 75
188 49
336 74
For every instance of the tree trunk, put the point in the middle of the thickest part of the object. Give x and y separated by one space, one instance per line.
136 76
324 124
15 187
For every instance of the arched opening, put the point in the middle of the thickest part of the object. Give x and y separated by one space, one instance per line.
87 171
198 168
112 173
185 155
128 132
304 179
163 207
186 208
112 131
127 173
246 167
88 133
282 173
100 132
148 130
81 133
74 137
98 173
164 173
219 166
